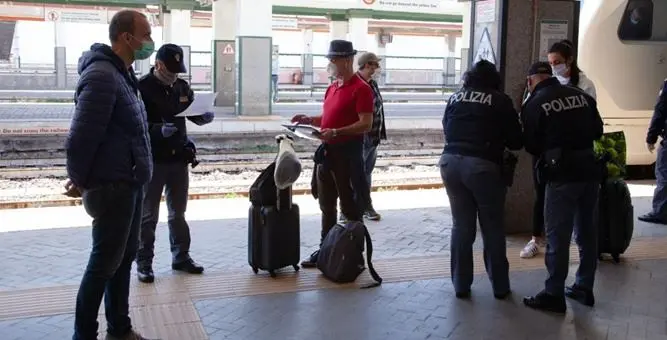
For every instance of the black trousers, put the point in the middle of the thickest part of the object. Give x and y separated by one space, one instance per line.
538 208
334 181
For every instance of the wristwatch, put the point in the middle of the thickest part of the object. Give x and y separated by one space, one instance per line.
335 132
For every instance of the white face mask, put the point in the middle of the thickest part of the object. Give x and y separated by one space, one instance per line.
376 74
559 70
332 69
563 80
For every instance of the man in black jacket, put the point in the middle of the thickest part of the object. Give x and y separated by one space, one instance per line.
560 124
657 129
165 95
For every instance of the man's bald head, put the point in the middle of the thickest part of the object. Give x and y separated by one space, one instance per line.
125 21
130 36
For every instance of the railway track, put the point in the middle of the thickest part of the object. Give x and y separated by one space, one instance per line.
231 163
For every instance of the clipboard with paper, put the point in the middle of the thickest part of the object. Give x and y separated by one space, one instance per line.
304 131
204 102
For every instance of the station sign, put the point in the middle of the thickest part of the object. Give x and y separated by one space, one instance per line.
402 5
84 16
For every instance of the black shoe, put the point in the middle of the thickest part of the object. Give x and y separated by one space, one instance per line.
546 302
372 215
502 296
463 295
145 274
581 295
189 266
652 218
311 261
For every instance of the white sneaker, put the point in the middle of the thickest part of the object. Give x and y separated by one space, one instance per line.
530 250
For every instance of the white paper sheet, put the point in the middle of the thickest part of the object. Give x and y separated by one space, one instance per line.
204 102
304 131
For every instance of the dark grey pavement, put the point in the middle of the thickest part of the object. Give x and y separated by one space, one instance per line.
631 304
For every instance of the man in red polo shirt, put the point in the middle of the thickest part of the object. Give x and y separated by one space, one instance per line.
346 115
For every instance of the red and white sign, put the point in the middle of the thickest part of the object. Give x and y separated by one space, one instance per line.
86 16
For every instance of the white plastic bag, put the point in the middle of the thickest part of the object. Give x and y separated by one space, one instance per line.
288 166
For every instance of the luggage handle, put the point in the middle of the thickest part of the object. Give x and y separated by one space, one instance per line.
369 255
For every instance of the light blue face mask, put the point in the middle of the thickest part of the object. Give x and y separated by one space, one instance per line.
145 51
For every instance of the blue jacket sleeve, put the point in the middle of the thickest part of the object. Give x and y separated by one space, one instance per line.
511 126
657 126
95 101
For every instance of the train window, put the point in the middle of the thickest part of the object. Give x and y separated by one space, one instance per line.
643 20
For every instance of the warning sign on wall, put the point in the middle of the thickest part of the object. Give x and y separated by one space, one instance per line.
485 48
228 49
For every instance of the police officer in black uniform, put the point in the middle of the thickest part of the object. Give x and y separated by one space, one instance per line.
657 129
480 122
560 124
165 95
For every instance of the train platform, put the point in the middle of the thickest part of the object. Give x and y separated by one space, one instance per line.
54 118
45 252
290 95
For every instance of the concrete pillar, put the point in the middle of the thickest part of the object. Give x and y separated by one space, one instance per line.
307 61
223 72
255 44
449 62
176 29
513 63
382 54
466 34
337 29
358 34
60 55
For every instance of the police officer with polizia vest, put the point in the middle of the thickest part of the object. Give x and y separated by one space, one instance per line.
480 122
165 95
657 129
560 125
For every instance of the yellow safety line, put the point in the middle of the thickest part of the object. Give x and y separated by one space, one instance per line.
179 289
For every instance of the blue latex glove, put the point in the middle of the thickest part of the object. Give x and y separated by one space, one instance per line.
207 117
168 130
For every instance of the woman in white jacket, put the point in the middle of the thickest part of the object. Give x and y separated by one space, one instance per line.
564 67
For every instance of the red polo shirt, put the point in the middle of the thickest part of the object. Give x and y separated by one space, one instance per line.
343 104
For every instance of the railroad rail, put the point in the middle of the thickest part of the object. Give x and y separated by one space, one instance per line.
229 163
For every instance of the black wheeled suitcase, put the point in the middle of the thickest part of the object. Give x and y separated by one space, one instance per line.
274 237
616 219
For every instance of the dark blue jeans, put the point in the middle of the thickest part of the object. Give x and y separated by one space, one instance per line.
570 207
370 157
116 212
174 180
476 189
660 193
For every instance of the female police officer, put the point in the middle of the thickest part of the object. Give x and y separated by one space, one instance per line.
479 123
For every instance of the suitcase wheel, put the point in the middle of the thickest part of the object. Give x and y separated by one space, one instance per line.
255 270
296 267
272 273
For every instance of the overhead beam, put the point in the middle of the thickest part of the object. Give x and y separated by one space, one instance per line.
285 10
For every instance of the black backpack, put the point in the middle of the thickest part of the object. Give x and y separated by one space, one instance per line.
341 257
263 192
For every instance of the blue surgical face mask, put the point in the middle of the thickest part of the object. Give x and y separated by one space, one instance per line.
145 51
